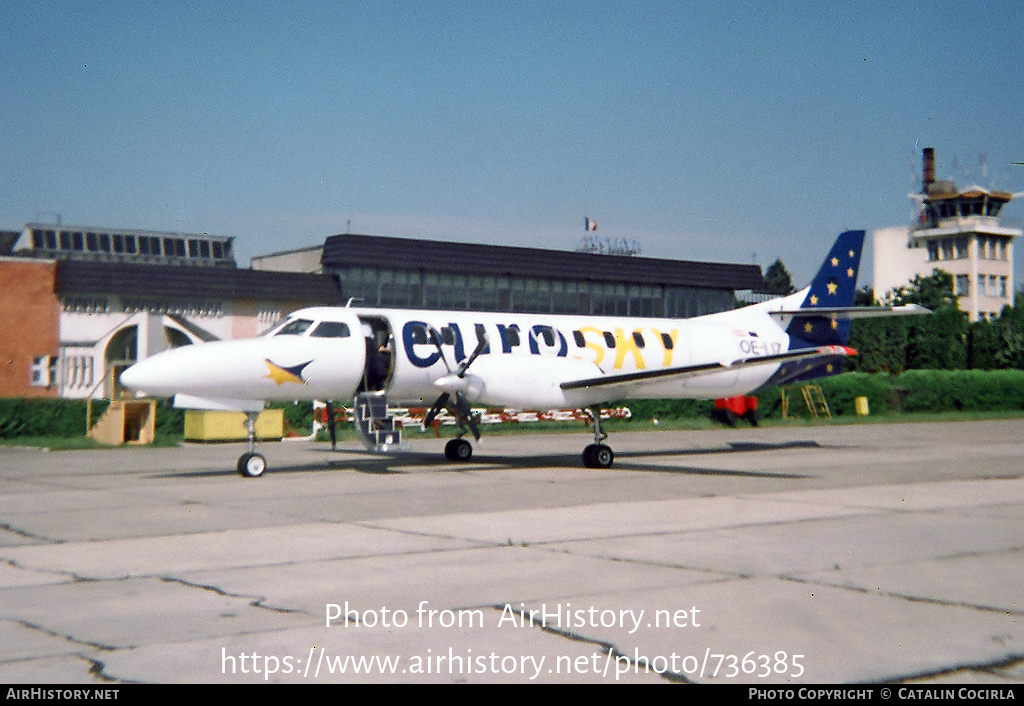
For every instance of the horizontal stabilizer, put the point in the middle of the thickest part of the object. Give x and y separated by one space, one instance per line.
708 368
851 312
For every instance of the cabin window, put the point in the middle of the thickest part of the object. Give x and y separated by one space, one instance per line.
295 327
638 339
609 339
331 329
580 341
666 341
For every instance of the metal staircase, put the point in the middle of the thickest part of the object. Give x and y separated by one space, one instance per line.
376 427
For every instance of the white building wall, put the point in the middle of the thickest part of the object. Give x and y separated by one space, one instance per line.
895 264
900 254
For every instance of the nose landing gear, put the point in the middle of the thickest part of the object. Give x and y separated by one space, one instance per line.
251 464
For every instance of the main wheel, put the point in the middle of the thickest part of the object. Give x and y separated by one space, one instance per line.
598 456
458 450
251 465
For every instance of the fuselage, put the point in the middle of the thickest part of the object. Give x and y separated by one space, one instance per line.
335 352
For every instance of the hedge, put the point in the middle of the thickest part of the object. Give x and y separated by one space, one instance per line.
66 418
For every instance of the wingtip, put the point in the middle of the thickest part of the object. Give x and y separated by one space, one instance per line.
837 350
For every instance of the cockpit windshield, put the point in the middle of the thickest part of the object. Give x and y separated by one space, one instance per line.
331 329
295 327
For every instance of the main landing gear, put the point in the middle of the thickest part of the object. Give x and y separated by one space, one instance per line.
251 464
598 454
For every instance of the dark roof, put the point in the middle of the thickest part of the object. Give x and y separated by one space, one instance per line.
437 256
181 281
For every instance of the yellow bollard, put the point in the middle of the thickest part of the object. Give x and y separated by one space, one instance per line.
861 404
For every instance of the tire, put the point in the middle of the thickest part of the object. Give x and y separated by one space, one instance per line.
458 450
598 456
251 465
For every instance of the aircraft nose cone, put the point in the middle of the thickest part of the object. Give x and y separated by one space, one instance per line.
163 374
137 376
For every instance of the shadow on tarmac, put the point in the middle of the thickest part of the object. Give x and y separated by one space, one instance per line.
394 464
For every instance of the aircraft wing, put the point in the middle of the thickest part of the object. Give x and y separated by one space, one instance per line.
851 312
707 368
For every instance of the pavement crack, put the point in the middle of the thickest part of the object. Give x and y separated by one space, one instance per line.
903 596
995 668
97 670
610 649
255 602
61 636
28 535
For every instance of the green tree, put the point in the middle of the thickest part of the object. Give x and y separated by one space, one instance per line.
936 341
881 345
932 292
865 296
1009 334
777 279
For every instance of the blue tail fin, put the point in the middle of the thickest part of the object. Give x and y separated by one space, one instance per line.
834 286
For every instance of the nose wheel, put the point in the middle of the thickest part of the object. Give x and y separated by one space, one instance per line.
251 464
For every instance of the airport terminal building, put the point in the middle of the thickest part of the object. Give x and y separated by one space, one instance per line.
421 274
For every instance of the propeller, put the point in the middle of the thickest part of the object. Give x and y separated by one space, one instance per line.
454 381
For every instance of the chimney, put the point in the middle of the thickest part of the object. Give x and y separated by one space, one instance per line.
929 169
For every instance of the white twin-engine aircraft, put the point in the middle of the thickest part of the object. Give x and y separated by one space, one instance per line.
455 359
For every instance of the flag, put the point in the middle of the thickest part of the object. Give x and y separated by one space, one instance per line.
589 225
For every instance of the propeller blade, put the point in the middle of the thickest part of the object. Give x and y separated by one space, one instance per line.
442 401
464 365
435 338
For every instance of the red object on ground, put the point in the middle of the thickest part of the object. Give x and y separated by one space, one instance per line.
738 405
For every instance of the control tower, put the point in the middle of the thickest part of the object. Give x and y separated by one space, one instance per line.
958 231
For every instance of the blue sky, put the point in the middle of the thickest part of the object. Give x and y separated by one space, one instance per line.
723 131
